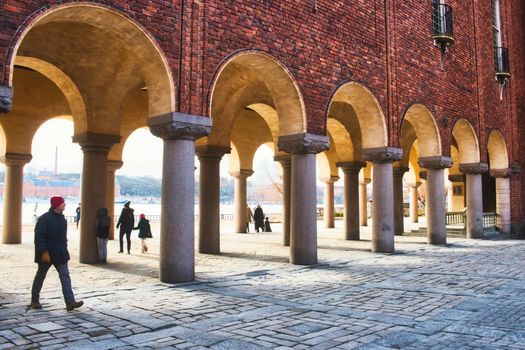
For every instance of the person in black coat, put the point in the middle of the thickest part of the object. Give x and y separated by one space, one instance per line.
258 217
102 232
51 249
126 221
144 232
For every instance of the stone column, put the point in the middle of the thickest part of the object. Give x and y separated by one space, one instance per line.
209 198
93 195
303 220
435 197
177 228
329 211
450 195
414 202
474 194
113 165
13 196
351 198
383 196
286 164
399 217
502 198
363 202
241 202
6 99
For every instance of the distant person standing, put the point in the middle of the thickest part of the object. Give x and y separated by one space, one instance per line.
77 217
51 249
267 227
258 217
102 231
249 217
144 232
126 221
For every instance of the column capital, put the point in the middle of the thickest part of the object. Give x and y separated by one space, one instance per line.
435 162
500 173
414 184
304 143
456 178
114 165
284 159
13 159
6 99
473 168
351 167
365 181
382 154
242 173
176 125
211 152
400 171
330 180
94 143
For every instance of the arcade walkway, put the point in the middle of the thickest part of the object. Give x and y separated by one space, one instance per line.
467 294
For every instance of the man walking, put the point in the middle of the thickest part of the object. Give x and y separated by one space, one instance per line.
51 249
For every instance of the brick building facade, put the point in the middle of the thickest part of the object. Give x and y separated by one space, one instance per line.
387 47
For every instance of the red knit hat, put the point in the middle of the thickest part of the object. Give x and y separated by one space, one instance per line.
142 216
56 201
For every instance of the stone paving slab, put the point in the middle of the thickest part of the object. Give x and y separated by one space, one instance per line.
463 295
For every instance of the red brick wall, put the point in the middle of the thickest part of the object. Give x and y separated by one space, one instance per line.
386 45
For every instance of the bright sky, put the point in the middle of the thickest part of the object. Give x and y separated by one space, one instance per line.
142 154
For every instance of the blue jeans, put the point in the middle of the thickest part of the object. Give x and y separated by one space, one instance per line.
65 280
102 248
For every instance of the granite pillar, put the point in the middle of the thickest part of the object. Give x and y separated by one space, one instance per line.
113 165
93 194
209 198
474 194
13 196
329 210
414 202
435 197
399 217
241 202
177 228
363 202
286 164
382 196
502 198
351 199
303 219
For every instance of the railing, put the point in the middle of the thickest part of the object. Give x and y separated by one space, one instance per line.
501 61
455 217
490 221
442 24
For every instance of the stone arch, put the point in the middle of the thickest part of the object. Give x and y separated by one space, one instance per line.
252 78
425 129
369 116
63 82
497 150
467 142
116 28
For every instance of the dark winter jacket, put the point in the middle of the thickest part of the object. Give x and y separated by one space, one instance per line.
103 223
258 217
144 228
51 236
126 221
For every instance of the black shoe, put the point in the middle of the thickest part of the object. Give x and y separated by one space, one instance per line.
129 252
74 305
120 251
35 305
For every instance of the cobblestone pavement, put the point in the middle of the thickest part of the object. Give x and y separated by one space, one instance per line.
465 295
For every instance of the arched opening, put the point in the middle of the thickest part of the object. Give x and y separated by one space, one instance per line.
420 140
498 179
97 58
467 143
